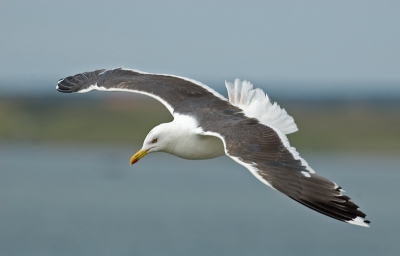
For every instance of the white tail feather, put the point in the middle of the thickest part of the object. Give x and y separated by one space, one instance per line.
255 103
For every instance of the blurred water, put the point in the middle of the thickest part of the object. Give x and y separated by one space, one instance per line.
80 200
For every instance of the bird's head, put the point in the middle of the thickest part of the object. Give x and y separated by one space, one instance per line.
156 140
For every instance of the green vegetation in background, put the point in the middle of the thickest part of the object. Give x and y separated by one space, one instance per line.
127 120
111 120
357 126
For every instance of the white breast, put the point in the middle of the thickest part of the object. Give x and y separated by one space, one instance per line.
198 147
184 141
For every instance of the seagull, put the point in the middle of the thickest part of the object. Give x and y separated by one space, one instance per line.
247 127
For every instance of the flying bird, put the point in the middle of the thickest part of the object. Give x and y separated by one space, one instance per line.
247 127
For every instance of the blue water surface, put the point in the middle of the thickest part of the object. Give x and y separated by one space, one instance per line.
86 200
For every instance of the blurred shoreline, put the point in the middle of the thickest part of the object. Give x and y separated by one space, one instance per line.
367 125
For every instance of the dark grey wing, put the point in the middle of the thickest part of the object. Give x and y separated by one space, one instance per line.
178 94
268 155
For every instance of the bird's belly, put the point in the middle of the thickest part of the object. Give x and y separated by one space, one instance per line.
199 147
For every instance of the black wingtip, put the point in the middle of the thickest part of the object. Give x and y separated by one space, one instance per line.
79 82
62 87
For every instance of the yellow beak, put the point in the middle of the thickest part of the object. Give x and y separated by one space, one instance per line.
136 157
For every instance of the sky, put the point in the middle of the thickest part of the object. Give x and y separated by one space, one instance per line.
298 46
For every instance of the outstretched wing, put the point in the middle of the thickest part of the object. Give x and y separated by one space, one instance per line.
178 94
266 153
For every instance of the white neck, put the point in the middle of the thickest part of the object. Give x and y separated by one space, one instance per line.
182 139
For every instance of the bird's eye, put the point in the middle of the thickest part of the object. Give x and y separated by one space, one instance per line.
154 141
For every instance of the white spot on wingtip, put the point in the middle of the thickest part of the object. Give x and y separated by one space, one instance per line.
340 189
58 82
306 174
359 222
